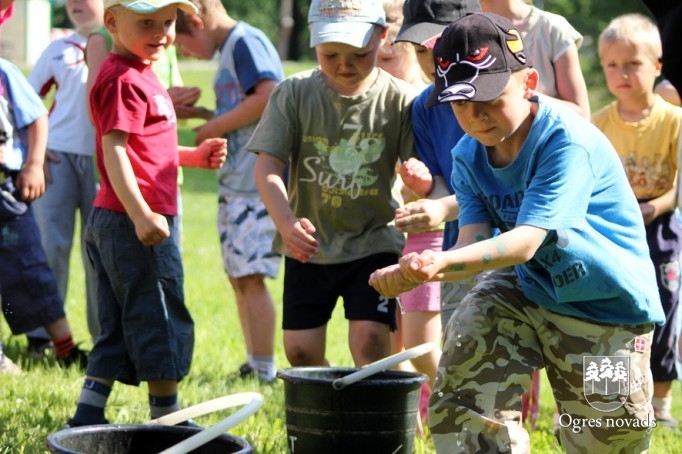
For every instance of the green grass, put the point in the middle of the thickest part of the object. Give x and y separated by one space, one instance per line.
39 402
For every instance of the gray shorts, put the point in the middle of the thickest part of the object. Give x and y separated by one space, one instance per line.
246 233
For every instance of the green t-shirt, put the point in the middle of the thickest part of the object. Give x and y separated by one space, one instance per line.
343 152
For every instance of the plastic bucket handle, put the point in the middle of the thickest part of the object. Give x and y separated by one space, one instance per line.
251 402
382 364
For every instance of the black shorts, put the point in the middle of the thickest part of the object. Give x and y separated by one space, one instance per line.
311 292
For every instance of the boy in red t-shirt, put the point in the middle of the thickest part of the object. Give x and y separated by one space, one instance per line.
147 333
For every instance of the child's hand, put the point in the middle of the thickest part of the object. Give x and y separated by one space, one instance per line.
30 183
208 130
412 271
50 156
210 154
184 96
151 229
648 212
182 112
299 240
417 177
419 216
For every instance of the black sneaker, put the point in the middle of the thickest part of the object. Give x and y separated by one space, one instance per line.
76 356
246 371
71 423
38 347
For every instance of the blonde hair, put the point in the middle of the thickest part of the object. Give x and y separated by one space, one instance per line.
394 12
633 29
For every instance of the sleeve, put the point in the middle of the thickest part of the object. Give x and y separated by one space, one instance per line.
254 63
472 210
42 77
27 106
407 150
277 129
560 184
120 106
422 138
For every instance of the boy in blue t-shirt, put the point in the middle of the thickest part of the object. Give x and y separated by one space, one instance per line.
28 287
582 290
248 70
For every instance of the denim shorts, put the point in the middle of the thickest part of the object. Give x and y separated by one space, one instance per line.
30 297
147 332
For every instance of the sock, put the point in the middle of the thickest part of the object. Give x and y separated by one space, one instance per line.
91 403
265 367
662 405
162 405
63 346
249 358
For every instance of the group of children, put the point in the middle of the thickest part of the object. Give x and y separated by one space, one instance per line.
560 247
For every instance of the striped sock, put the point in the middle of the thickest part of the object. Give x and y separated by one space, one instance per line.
163 405
91 403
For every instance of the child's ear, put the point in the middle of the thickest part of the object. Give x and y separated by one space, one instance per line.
532 82
110 20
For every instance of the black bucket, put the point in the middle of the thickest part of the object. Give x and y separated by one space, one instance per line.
377 414
137 439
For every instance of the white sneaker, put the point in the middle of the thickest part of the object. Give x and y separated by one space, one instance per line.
7 366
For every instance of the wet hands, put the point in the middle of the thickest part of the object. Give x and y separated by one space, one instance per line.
411 271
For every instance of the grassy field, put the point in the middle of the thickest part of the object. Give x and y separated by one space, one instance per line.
39 402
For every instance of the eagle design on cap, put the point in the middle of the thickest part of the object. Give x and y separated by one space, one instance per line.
463 70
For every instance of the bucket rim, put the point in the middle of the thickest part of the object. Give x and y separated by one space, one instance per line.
55 437
298 375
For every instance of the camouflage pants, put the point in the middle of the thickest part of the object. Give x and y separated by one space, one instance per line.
451 293
494 342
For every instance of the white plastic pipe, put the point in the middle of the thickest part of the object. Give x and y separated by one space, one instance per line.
251 402
382 364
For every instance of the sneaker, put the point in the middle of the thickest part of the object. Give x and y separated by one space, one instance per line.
245 370
38 347
667 420
71 423
76 356
8 367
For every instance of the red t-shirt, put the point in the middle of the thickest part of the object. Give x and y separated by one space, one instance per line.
128 97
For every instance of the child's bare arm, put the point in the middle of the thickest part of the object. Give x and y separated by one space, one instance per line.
296 233
474 252
151 228
210 154
31 179
425 214
656 207
248 111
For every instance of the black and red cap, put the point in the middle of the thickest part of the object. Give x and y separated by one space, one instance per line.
475 57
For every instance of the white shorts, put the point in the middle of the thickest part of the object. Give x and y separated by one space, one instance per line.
246 233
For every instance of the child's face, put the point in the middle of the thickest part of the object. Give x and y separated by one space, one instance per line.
141 36
86 15
425 59
399 60
346 68
199 44
630 70
497 121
